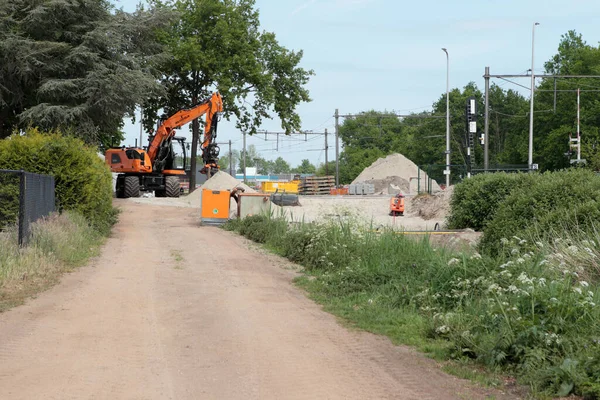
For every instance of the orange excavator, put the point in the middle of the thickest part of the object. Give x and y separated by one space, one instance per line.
154 169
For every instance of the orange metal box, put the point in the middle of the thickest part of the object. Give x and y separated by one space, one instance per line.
214 208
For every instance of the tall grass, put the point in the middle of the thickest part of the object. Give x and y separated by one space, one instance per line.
58 243
530 314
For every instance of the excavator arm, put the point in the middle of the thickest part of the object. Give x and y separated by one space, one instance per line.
161 142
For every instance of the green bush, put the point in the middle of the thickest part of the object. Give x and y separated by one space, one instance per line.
475 201
83 181
552 202
9 199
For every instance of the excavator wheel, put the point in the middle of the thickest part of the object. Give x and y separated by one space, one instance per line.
172 187
120 187
132 186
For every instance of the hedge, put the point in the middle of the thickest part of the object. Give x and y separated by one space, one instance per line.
83 181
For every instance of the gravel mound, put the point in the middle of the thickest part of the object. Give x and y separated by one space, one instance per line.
395 169
431 206
220 181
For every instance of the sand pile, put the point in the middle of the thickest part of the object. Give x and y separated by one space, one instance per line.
220 181
395 169
431 206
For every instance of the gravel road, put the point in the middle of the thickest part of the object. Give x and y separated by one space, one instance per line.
171 310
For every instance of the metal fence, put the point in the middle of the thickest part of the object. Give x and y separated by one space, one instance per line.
24 198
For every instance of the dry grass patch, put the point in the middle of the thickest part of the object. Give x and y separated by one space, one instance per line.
58 244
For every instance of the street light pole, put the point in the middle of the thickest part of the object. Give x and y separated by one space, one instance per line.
530 159
447 118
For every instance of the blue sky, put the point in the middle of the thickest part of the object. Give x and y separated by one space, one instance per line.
386 55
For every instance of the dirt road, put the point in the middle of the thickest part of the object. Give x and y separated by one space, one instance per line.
172 310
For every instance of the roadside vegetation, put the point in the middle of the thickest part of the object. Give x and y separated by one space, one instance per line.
65 239
83 182
523 304
58 244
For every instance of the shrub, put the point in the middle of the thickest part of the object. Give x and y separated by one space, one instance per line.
83 181
475 201
9 199
552 202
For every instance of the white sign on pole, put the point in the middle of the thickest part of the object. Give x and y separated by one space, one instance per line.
473 127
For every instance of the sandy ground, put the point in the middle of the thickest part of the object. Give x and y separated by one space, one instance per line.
171 310
364 209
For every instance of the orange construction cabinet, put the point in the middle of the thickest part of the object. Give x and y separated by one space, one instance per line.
214 208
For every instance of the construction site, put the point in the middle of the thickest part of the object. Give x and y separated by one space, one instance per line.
316 199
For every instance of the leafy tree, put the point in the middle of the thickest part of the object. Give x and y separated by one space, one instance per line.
305 167
552 125
280 166
77 65
322 170
251 157
218 45
225 160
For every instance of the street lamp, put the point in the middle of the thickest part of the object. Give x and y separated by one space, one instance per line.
447 172
530 160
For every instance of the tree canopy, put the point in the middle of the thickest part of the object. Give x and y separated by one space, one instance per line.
218 45
81 66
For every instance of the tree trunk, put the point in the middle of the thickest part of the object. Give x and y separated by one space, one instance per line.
195 138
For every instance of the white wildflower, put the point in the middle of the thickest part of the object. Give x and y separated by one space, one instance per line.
527 256
577 290
524 279
520 260
557 240
453 261
494 287
518 239
522 242
584 284
513 289
476 256
539 244
573 249
442 329
514 251
506 274
542 281
504 241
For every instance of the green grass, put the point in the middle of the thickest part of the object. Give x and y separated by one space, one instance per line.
58 244
530 315
178 258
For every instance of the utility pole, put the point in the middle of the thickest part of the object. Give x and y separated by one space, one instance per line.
530 159
230 160
447 172
244 151
326 159
578 130
486 127
337 148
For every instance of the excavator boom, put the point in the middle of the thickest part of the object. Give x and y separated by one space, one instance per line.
152 170
212 107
